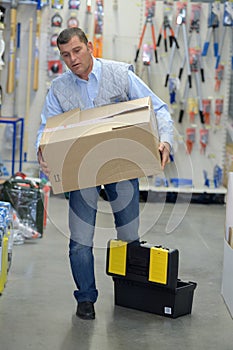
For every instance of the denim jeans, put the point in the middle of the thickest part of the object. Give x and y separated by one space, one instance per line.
124 199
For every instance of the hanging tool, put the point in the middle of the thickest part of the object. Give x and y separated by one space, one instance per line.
204 138
227 22
206 110
146 58
195 18
87 17
218 77
37 47
2 47
218 110
150 12
195 65
28 96
17 70
180 22
173 86
190 139
166 26
192 108
98 29
11 62
213 25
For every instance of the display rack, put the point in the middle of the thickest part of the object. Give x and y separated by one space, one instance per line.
15 121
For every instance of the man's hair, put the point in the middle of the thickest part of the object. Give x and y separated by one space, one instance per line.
68 33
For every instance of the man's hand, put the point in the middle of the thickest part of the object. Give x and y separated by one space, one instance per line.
164 149
43 165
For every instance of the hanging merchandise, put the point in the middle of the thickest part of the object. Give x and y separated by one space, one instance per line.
11 60
87 18
28 92
227 22
218 77
180 22
2 42
56 20
37 47
192 109
173 85
195 69
206 110
146 58
166 26
213 27
195 18
57 4
149 14
17 70
2 49
204 139
98 29
73 21
190 139
218 110
74 4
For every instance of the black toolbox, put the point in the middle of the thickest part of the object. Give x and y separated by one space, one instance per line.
146 278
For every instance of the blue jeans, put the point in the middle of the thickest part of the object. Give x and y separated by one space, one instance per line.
124 199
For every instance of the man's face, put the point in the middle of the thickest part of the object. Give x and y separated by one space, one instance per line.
77 56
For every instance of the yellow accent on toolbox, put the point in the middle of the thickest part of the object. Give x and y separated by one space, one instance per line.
158 265
117 257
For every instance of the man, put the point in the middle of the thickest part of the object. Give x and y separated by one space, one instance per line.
88 83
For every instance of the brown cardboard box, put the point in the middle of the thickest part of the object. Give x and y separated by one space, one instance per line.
101 145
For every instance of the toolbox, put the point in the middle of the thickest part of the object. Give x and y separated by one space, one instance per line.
26 197
146 278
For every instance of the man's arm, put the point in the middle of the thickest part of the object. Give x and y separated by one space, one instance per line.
138 89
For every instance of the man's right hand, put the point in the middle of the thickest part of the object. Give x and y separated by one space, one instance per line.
43 165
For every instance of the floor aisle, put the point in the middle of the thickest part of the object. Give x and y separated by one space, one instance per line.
37 309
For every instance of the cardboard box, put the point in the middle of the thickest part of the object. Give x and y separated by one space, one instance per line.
101 145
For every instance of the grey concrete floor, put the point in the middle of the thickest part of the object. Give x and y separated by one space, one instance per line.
37 309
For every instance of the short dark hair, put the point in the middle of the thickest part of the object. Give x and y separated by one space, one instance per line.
68 33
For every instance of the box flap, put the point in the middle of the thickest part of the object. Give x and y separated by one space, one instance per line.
84 117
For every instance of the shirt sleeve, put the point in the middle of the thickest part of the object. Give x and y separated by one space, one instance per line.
51 108
138 89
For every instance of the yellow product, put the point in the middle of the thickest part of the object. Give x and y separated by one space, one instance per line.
3 263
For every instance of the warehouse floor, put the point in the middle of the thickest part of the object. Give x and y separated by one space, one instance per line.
37 309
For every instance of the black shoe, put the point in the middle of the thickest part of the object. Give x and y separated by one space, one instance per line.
85 310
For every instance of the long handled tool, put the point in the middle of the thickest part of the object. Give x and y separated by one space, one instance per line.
195 65
28 96
166 28
2 48
180 23
11 62
227 22
37 47
194 27
213 25
150 12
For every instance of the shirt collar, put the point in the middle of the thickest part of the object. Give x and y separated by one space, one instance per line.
96 70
